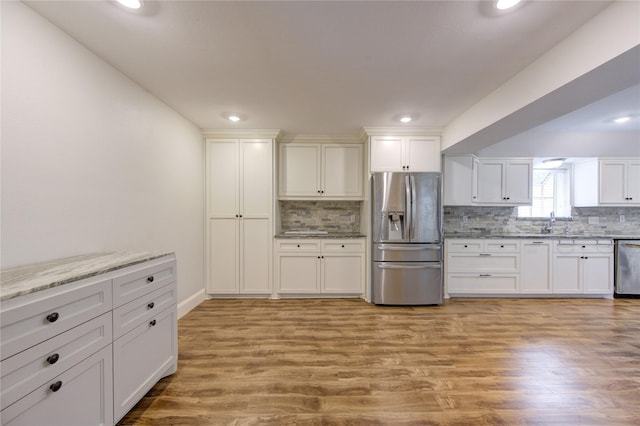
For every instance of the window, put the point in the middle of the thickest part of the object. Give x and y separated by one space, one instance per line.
551 193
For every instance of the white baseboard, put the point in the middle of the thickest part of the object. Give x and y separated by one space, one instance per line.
190 302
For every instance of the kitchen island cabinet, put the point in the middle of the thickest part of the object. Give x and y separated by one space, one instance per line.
66 329
323 267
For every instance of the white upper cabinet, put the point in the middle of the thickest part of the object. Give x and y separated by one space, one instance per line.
320 170
405 153
619 181
606 182
460 180
504 181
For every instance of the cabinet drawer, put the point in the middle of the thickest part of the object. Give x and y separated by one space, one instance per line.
142 309
141 357
142 280
298 245
462 246
343 246
498 246
25 372
84 397
30 319
480 262
584 246
481 283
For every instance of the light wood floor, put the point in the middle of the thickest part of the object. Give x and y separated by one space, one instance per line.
468 362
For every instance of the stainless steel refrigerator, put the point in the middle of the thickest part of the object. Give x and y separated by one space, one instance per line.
406 234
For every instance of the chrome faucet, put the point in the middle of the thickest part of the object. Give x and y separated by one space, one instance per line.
549 228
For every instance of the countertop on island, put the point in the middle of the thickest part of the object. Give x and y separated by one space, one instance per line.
40 276
328 235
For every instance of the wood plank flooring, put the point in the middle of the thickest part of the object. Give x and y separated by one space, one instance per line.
343 361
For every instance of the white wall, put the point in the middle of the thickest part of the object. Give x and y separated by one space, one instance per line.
91 162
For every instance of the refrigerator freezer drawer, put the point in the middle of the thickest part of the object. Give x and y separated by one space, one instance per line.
407 252
404 283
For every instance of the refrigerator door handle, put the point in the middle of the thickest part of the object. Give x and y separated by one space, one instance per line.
408 219
414 207
434 266
435 247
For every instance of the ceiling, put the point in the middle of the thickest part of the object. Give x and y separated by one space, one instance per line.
319 67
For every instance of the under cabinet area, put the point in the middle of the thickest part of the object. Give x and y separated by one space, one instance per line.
320 170
84 347
316 266
529 266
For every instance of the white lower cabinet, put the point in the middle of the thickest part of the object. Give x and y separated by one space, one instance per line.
529 267
535 268
583 267
320 266
80 396
84 353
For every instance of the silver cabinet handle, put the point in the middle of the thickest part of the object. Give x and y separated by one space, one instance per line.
484 254
408 248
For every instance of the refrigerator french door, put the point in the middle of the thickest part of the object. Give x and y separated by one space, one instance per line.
407 238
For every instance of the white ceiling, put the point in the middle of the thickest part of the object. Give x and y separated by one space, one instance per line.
319 67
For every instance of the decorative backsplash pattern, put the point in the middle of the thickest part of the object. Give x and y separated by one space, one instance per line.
503 220
330 216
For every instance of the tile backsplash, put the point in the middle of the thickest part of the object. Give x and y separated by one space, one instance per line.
331 216
503 220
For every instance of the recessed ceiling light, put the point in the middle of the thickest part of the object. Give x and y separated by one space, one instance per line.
131 4
621 120
405 119
233 118
506 4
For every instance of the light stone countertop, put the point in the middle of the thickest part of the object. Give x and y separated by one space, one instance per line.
40 276
330 235
543 236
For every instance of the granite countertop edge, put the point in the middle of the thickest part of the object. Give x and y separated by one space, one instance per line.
544 236
26 279
330 235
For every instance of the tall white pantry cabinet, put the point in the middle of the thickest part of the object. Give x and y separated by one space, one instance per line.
239 215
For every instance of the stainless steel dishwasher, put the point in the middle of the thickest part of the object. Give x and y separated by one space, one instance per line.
627 268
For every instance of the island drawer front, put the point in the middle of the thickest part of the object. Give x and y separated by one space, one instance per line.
462 246
498 246
482 283
33 318
23 373
87 387
480 262
138 281
298 245
343 246
129 316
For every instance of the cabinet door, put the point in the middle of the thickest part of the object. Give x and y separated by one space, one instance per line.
141 357
422 154
343 273
491 181
612 182
256 178
458 181
84 397
386 154
633 181
518 181
222 179
255 258
597 273
535 267
566 273
299 170
342 170
223 256
298 273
